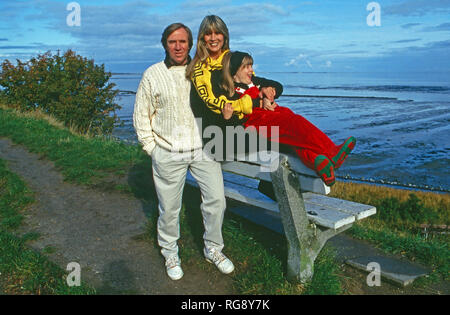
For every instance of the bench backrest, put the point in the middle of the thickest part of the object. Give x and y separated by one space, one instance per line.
258 165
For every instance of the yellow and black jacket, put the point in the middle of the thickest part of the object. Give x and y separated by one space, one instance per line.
201 83
208 101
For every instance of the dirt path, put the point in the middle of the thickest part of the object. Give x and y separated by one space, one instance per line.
99 230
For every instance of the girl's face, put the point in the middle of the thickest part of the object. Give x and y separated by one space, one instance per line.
214 43
244 74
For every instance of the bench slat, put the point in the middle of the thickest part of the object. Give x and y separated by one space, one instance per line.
265 158
360 211
298 166
238 179
250 170
307 183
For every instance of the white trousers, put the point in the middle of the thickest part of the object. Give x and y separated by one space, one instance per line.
169 175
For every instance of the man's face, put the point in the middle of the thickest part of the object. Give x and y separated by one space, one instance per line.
178 46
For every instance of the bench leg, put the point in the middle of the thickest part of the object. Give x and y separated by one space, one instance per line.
304 240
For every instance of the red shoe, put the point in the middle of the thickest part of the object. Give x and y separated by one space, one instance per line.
324 168
344 151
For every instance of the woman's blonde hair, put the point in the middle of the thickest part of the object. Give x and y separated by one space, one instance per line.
227 82
211 23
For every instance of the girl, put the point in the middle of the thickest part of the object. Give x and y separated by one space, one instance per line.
213 71
314 148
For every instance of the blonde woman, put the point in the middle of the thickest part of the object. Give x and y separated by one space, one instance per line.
212 53
212 45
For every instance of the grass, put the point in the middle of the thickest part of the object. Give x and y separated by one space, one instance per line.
15 197
80 158
437 204
97 162
22 270
258 253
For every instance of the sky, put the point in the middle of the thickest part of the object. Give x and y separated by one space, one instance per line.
284 36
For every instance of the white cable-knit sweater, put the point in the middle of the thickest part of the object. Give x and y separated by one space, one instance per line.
162 111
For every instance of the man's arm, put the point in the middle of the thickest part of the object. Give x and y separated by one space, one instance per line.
143 111
266 83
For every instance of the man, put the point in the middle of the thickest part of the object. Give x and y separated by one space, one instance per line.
168 132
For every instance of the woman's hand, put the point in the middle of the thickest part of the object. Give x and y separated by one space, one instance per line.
227 111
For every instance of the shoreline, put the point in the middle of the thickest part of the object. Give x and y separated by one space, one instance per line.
399 186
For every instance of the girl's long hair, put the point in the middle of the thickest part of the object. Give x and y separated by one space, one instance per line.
209 24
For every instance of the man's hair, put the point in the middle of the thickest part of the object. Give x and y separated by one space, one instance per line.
172 28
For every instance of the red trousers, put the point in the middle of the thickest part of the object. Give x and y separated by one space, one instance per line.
307 140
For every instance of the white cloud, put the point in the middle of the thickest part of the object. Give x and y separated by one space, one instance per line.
297 61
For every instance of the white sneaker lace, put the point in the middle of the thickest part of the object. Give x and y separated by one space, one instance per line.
172 262
217 257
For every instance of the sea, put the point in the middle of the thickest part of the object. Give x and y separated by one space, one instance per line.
401 121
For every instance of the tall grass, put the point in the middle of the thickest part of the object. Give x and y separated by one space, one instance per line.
81 159
379 196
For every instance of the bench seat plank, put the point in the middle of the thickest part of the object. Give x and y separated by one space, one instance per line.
307 182
238 179
360 211
265 158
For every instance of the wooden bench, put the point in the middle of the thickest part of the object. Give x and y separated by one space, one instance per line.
308 216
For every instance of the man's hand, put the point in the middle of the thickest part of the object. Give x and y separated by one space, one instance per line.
227 111
268 105
268 92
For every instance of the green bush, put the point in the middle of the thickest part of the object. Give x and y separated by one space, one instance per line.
69 87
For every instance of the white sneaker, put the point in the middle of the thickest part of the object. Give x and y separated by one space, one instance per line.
173 267
220 260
